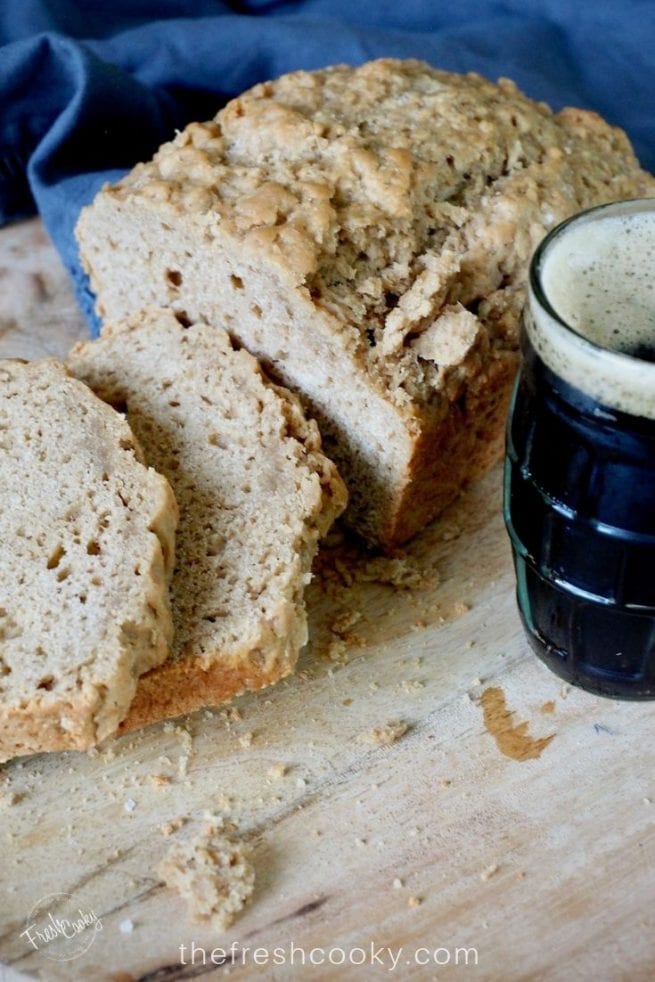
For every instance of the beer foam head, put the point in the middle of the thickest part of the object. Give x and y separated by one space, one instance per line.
592 305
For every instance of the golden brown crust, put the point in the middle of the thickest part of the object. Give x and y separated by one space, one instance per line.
453 451
183 685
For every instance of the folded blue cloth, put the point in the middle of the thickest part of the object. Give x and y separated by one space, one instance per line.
89 88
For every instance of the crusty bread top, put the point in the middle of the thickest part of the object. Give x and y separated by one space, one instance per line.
390 193
254 491
87 543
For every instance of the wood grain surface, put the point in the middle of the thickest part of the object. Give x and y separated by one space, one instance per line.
515 816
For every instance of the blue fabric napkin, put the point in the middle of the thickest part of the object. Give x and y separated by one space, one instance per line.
88 88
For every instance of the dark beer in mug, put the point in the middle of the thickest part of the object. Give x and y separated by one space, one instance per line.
580 464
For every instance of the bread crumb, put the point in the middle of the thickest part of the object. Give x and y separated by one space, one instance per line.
414 901
386 734
168 828
345 620
336 650
398 884
277 771
214 875
487 873
245 740
412 685
445 782
400 572
160 780
301 782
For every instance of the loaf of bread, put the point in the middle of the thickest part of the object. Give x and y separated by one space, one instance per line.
365 232
87 536
255 495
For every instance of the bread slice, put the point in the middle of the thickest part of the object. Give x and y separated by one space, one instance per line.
366 233
87 536
255 495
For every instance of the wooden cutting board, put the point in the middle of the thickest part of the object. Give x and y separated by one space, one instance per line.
514 818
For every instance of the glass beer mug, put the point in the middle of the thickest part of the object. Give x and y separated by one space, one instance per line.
579 499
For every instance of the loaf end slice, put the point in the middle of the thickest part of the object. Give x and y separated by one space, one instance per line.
255 496
88 536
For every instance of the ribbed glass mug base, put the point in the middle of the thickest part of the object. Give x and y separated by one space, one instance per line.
600 649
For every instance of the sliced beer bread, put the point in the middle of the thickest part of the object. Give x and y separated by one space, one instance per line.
255 495
87 536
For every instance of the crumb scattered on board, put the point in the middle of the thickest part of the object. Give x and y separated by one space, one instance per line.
168 828
343 563
213 873
400 572
344 621
160 780
385 735
342 637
